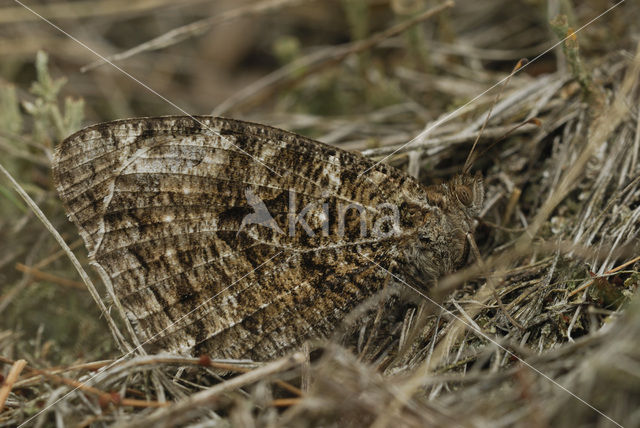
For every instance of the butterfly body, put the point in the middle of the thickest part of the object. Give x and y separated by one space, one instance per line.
239 240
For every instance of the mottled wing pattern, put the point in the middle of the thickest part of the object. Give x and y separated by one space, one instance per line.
160 202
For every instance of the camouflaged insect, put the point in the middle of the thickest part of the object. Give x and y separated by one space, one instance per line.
173 210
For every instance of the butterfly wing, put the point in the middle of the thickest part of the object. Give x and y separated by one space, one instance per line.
193 221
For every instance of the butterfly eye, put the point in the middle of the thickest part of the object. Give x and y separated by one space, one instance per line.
465 195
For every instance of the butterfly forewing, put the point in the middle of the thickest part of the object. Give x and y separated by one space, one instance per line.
192 220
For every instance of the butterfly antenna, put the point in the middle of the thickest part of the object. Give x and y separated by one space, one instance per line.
470 157
533 121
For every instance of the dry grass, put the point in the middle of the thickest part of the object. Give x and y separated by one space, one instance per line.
540 330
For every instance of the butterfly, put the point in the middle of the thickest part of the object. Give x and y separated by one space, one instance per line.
238 240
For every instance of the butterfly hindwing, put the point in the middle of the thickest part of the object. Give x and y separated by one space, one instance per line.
191 219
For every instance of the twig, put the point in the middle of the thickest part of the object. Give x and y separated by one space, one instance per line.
56 255
149 360
44 276
15 371
176 412
285 402
56 370
230 367
622 266
104 397
511 205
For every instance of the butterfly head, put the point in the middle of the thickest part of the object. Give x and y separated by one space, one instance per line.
440 244
463 195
